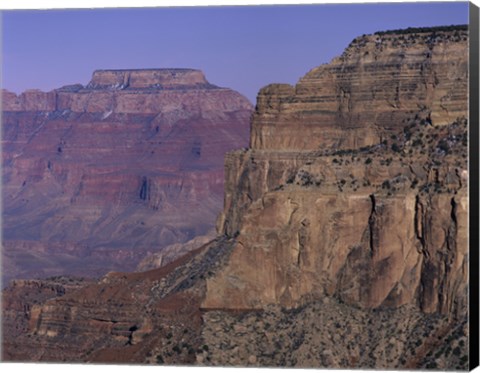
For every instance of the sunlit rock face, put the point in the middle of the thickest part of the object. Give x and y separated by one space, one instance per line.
366 94
97 177
355 182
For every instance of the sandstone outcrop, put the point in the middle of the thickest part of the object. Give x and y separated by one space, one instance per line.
355 183
97 177
365 95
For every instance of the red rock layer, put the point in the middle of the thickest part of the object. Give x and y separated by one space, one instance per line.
97 177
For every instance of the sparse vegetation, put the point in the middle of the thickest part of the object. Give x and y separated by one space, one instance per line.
419 30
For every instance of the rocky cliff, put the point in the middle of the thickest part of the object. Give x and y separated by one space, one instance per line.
368 93
355 182
97 177
331 253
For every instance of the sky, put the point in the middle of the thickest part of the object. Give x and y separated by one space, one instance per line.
240 47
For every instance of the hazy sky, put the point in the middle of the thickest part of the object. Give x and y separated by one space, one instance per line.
243 48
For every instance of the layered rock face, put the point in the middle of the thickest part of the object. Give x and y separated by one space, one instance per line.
355 183
97 177
148 78
364 96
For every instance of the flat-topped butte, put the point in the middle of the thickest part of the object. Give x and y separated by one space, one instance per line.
147 78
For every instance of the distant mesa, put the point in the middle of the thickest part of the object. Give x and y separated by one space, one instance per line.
147 78
132 79
128 91
97 177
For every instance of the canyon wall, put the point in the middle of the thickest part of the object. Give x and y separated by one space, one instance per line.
355 182
95 178
367 93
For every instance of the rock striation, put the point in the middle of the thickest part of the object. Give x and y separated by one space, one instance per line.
148 79
365 95
97 177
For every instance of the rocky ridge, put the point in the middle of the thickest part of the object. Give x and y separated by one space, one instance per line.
95 178
333 255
